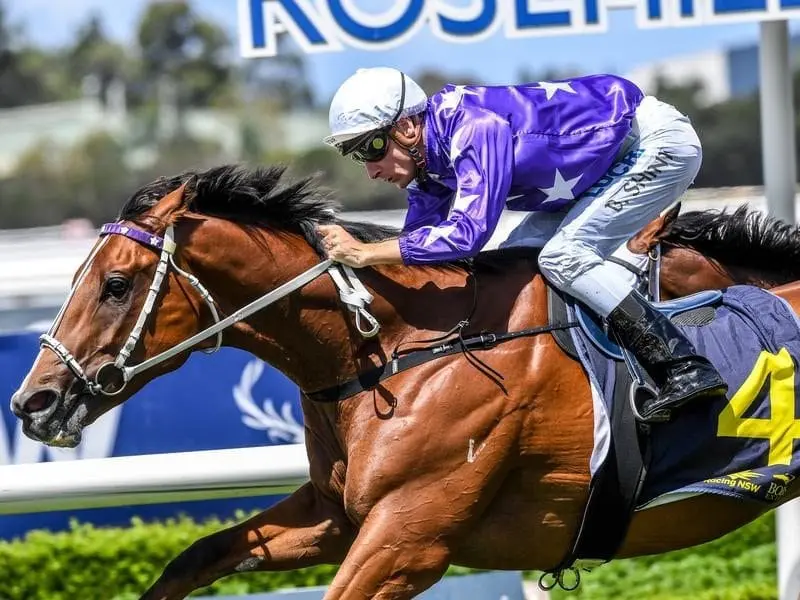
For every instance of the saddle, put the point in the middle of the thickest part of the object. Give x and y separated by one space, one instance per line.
616 485
690 310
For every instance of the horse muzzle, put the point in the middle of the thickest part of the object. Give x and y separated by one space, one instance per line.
49 418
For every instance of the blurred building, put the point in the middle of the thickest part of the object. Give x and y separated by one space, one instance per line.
65 124
725 73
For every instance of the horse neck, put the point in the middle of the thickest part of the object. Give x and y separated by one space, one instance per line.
791 293
685 271
304 334
310 335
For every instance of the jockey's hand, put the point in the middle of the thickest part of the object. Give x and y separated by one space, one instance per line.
344 248
341 246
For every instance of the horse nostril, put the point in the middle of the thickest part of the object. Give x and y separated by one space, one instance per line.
39 401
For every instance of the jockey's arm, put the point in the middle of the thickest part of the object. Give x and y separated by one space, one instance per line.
482 155
428 205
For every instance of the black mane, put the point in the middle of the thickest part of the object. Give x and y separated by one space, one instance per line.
745 238
259 196
255 196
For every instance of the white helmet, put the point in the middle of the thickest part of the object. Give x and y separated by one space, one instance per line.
371 99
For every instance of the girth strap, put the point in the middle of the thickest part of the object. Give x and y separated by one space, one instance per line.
399 363
613 492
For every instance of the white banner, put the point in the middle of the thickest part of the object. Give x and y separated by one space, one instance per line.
333 25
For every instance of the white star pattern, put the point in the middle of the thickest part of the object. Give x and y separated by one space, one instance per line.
438 233
551 87
562 188
450 100
455 145
461 203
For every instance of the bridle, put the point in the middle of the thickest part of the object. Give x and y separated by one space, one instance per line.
112 377
649 278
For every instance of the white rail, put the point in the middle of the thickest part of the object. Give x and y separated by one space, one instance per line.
153 478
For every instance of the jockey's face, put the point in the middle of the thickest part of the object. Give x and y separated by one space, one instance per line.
397 166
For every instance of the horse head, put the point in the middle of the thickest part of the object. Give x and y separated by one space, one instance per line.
110 290
712 249
184 252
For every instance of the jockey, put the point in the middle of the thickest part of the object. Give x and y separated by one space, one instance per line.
592 155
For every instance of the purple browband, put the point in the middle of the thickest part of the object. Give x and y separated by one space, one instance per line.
148 239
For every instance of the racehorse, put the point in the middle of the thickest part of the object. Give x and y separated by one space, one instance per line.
707 250
476 458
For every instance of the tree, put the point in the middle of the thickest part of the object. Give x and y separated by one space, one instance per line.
178 46
33 195
93 54
687 97
19 83
347 181
528 75
432 80
731 137
280 80
98 178
51 184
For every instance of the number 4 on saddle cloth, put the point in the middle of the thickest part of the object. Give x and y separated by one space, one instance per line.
742 445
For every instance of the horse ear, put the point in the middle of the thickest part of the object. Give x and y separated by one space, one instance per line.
172 206
670 217
654 231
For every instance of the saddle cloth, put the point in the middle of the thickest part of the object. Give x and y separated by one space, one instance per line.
744 445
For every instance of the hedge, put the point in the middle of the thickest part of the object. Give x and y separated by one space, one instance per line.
119 563
739 566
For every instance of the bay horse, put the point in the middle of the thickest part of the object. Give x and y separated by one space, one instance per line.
713 249
437 465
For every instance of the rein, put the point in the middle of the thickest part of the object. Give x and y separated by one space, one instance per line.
413 358
112 377
438 347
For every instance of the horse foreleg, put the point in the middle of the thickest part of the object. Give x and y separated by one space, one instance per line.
391 560
302 530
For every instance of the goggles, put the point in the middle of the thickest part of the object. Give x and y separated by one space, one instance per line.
373 145
370 147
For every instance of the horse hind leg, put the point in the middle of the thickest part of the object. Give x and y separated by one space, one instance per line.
302 530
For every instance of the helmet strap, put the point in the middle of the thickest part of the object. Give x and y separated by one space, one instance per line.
421 174
422 168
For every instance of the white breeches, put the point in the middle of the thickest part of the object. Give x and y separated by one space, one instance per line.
645 182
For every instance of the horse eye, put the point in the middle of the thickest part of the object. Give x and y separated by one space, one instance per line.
116 287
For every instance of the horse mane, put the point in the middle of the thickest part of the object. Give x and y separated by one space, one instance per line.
744 238
257 196
261 197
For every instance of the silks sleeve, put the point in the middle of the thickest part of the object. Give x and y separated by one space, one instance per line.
481 151
427 206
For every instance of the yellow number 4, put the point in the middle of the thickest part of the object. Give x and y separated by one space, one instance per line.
782 428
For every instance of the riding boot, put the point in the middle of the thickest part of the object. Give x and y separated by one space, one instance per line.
668 357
